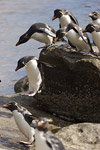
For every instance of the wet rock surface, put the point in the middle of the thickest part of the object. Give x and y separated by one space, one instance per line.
72 85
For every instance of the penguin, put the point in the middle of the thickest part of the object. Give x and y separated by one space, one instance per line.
95 16
40 32
76 38
94 30
34 73
65 17
44 138
22 120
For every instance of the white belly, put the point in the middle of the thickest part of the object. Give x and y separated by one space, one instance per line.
64 20
77 41
96 22
96 38
43 38
23 126
34 76
40 141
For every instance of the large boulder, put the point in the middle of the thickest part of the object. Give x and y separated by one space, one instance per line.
83 136
21 85
72 85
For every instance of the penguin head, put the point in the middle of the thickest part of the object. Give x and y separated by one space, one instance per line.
42 123
94 15
90 28
60 34
11 106
58 13
23 61
23 39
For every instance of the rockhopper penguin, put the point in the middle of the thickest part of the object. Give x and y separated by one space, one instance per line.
65 17
40 32
22 120
95 16
76 38
34 74
44 139
94 30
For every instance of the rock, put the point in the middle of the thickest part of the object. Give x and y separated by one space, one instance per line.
83 136
9 132
72 85
21 85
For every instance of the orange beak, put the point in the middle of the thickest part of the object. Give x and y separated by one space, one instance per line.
83 30
17 44
55 39
4 106
39 124
89 15
16 68
53 18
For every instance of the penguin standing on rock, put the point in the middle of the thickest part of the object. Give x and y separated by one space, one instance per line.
44 139
94 30
22 120
76 38
34 73
65 17
95 16
40 32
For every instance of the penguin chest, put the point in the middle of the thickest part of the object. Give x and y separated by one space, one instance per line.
64 20
43 38
97 21
73 37
96 38
77 41
33 72
40 141
23 125
34 75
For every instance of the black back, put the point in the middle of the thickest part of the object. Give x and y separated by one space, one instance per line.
37 27
53 142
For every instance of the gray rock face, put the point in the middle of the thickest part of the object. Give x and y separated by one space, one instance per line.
84 136
72 86
21 85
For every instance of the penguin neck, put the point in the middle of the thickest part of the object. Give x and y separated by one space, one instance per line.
31 66
64 20
97 21
41 129
31 63
33 72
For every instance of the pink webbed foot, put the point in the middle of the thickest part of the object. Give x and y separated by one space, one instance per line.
44 47
27 144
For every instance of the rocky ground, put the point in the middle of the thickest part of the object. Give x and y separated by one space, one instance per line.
81 136
9 133
71 97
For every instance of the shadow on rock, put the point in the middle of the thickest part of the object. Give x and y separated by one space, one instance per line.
5 141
